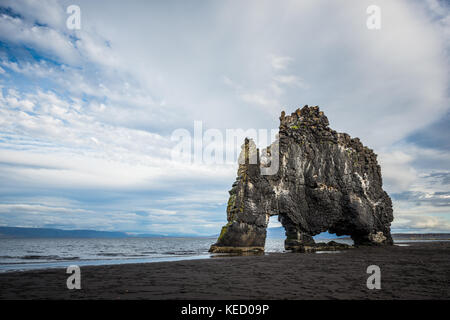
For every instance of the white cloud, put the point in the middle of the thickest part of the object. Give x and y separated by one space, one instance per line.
291 80
260 99
40 70
94 48
17 31
58 146
37 208
397 171
48 12
422 219
278 62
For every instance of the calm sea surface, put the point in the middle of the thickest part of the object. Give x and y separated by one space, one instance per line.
26 254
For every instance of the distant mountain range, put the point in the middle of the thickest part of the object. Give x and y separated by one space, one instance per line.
280 233
18 232
421 236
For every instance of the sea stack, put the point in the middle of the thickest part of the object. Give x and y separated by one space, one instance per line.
326 181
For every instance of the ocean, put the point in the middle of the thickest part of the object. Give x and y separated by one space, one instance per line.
27 254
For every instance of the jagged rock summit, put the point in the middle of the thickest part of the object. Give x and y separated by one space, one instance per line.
326 181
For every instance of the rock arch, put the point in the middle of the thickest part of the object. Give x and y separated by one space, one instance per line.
326 181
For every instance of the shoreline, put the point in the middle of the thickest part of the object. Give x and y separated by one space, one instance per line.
417 271
9 268
39 266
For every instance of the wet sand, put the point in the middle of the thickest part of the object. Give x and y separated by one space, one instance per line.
418 271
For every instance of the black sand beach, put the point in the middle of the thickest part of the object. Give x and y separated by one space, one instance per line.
417 271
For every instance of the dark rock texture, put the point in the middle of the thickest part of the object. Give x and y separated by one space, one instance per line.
326 181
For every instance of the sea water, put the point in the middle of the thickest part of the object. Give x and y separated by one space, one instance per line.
26 254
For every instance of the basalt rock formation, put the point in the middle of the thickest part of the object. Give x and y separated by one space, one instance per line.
326 181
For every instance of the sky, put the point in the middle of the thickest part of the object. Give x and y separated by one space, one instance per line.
87 115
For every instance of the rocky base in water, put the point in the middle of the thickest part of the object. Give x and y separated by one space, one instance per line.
312 247
315 179
321 246
224 249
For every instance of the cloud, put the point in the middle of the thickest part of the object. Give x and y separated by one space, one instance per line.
396 169
444 177
43 38
421 224
435 199
45 12
260 99
279 63
291 80
434 136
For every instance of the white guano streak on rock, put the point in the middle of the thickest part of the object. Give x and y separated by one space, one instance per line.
365 187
